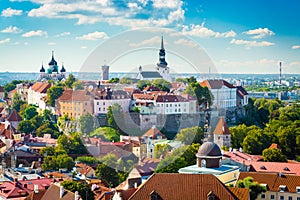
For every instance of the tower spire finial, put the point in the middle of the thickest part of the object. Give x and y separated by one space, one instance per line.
52 54
162 42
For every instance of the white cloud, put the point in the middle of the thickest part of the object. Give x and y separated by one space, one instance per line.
148 42
186 42
203 32
84 47
38 33
62 34
9 12
11 29
248 43
167 3
91 12
93 36
260 33
296 47
5 41
51 43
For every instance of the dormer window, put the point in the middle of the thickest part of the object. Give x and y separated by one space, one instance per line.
282 188
298 189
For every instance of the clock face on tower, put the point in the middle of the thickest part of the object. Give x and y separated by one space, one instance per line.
203 163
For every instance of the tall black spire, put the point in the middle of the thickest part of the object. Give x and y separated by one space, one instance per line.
162 54
52 61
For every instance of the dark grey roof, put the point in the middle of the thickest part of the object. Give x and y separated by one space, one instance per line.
209 149
150 74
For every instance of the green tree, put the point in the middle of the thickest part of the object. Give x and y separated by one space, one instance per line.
29 112
86 159
273 155
114 80
106 133
114 116
107 174
162 84
190 135
183 80
126 81
53 93
161 150
65 161
171 164
78 85
238 134
203 95
49 163
48 151
71 144
17 103
26 127
256 141
48 128
70 80
254 187
87 123
83 189
141 84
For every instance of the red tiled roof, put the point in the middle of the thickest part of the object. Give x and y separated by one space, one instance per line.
154 132
215 84
74 95
151 88
14 117
222 128
54 191
241 193
147 167
143 96
182 186
286 168
170 98
242 157
275 146
274 180
40 87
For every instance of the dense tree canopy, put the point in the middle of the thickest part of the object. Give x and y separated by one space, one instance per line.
106 133
190 135
72 144
87 123
83 189
53 93
26 127
255 187
273 155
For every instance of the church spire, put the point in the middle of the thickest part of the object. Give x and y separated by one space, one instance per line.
162 42
162 62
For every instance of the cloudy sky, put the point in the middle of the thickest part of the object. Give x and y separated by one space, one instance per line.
249 36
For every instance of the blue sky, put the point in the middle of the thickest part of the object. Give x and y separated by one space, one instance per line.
238 36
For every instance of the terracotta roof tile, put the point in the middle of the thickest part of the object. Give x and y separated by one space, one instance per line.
74 95
274 146
154 132
14 117
40 87
216 84
241 193
222 128
53 193
274 180
170 98
287 168
182 186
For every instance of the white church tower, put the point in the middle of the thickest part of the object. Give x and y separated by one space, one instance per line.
162 66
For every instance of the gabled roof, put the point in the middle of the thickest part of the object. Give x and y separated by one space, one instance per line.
154 132
274 146
274 180
14 117
151 88
54 191
170 98
241 91
40 87
150 74
241 193
182 186
147 166
216 84
286 168
74 95
222 128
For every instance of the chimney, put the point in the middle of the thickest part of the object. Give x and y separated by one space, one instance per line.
36 188
61 191
77 196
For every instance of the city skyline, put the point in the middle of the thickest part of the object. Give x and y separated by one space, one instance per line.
239 37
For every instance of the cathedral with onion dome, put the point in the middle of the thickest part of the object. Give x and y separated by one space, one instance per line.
52 73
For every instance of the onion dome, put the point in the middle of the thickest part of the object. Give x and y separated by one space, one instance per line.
42 69
63 69
52 61
209 149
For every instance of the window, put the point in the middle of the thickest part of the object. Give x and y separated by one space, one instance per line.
97 103
298 198
282 188
290 198
263 196
103 109
104 103
281 197
272 196
298 189
99 109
